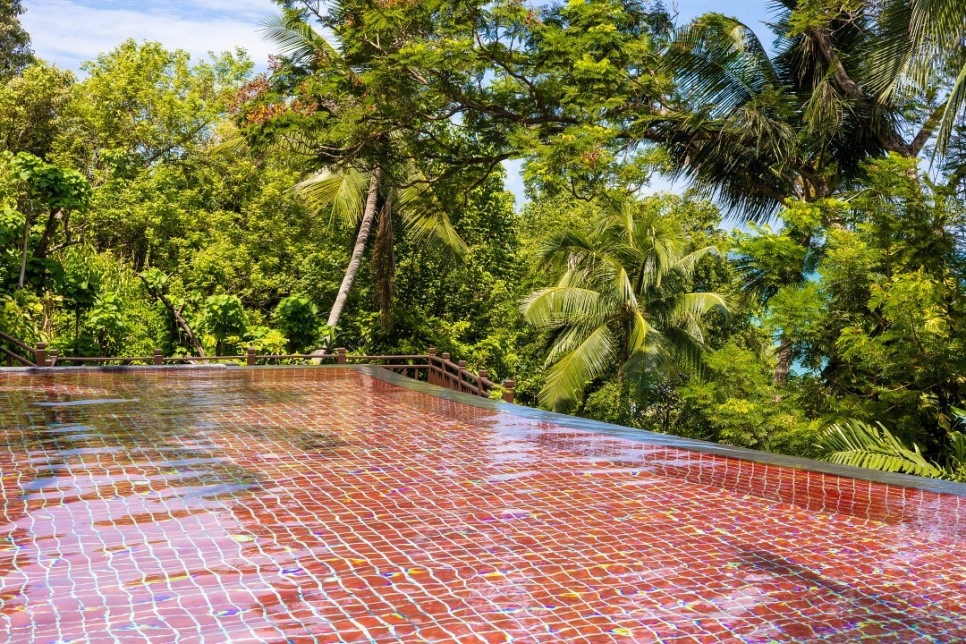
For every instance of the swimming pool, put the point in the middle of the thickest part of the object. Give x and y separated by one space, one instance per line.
343 504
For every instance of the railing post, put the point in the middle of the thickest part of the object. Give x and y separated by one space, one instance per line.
461 377
158 357
40 354
508 386
446 376
250 357
480 389
431 376
52 357
341 358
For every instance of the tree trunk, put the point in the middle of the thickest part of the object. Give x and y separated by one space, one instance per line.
178 317
784 360
384 260
26 247
41 251
362 238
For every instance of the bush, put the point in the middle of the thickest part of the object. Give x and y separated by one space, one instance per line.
297 317
224 317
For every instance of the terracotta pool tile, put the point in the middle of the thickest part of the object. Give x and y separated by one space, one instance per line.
327 505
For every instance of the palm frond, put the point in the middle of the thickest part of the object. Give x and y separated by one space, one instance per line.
719 64
641 332
297 40
563 247
342 193
559 305
955 104
916 38
859 444
694 306
569 375
424 216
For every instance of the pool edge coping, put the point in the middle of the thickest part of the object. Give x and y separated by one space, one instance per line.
642 436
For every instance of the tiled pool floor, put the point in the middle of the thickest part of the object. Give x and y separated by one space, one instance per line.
326 505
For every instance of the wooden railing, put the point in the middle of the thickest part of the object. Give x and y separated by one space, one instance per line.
12 356
435 369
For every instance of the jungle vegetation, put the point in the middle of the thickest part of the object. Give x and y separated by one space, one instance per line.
804 293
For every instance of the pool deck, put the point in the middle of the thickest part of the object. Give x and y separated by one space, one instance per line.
345 504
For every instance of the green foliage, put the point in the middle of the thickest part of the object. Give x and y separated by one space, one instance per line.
621 298
108 321
264 340
81 281
21 316
32 105
141 104
223 316
57 188
873 446
15 53
297 317
738 403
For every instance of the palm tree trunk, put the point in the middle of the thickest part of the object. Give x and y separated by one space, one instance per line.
362 238
384 259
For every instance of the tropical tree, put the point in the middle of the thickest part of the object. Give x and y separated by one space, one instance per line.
922 41
361 168
758 130
15 53
622 298
353 197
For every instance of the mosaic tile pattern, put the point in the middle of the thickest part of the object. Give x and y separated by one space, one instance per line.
323 505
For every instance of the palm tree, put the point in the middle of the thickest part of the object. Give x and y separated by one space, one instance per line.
621 297
919 41
755 130
353 198
355 188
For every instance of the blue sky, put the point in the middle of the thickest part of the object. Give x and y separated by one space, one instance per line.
68 32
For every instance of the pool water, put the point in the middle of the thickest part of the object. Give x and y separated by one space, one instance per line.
328 505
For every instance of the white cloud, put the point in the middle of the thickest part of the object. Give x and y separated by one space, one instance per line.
69 32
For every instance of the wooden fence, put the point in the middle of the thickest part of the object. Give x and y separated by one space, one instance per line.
435 369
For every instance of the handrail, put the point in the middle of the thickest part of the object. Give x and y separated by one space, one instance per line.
13 355
14 341
440 370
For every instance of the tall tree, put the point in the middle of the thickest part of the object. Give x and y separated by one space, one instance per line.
756 130
15 52
324 102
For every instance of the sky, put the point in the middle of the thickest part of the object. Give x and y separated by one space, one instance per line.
69 32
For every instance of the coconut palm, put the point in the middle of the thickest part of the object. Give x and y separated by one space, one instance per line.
621 298
353 198
755 130
919 41
378 177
